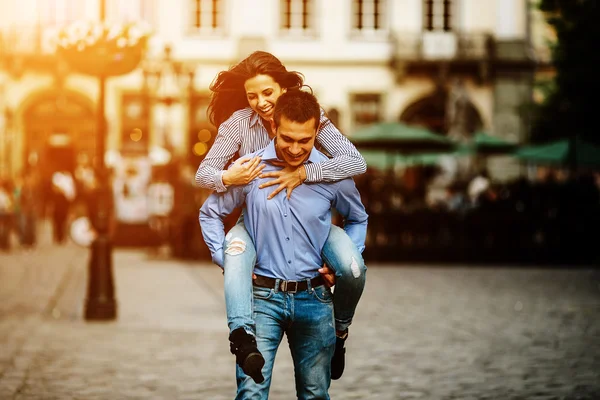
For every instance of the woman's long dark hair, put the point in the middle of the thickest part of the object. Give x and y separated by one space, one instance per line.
228 93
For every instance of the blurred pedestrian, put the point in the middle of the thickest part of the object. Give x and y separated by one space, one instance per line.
26 200
184 216
84 177
456 200
7 207
63 194
160 205
290 296
241 107
478 185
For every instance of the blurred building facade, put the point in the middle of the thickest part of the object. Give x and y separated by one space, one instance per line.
455 66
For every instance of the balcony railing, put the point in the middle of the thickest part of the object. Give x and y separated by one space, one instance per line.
443 46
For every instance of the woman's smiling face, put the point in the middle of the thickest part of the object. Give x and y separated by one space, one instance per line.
262 93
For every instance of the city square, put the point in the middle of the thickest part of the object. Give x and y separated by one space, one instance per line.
421 332
454 141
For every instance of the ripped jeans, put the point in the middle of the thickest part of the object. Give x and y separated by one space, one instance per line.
339 253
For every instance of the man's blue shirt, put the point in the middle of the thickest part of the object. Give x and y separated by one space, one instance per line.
288 235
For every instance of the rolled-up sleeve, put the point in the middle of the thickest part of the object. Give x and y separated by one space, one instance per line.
212 213
346 161
210 172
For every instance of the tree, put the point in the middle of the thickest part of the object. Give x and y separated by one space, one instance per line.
569 108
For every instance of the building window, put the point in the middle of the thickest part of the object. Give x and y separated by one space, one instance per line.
60 12
367 15
438 15
296 16
366 109
207 15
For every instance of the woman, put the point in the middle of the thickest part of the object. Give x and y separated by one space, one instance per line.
241 108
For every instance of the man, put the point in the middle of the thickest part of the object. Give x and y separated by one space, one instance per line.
290 296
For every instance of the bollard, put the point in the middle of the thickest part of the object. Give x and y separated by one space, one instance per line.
100 304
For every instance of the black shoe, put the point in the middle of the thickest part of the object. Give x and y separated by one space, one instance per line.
338 361
243 345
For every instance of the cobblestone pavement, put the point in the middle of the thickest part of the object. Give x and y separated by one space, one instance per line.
420 333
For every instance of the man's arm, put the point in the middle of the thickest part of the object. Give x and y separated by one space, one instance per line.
212 213
348 204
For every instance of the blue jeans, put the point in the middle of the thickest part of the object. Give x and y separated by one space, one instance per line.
307 319
339 253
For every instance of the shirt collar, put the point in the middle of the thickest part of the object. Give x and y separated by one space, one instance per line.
271 154
254 119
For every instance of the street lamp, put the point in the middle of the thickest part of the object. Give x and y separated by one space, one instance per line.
167 82
101 51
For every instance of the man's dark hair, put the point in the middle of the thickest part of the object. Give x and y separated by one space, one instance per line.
297 106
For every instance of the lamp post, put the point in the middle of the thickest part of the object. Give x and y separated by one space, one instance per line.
101 51
100 303
166 82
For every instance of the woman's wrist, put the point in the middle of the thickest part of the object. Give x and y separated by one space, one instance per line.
302 173
225 178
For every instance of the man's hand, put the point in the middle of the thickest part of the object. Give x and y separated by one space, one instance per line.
242 171
288 178
328 275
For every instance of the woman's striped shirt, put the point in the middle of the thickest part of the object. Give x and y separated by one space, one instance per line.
244 133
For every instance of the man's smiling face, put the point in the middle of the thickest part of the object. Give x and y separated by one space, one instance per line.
295 140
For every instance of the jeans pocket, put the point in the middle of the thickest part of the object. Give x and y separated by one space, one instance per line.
323 294
263 293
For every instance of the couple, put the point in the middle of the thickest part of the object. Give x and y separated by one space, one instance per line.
285 237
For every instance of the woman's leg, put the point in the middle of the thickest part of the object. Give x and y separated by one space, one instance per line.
238 264
340 254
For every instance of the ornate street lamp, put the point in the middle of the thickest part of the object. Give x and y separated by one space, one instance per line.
167 82
102 51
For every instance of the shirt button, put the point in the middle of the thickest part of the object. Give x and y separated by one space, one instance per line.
287 238
289 261
285 215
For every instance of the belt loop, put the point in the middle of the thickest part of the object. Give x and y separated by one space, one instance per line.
277 283
308 285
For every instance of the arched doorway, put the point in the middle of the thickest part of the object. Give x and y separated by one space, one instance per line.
447 112
432 111
59 128
429 112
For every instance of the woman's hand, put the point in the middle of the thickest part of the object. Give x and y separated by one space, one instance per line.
288 178
242 171
328 275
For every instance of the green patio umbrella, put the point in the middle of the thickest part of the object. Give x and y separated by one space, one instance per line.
485 144
379 159
488 144
382 159
400 138
564 152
